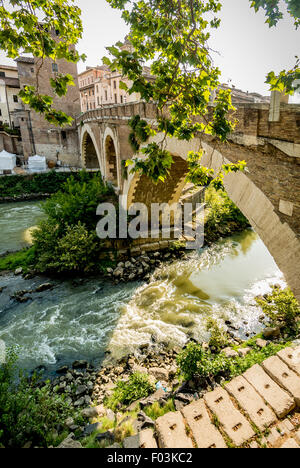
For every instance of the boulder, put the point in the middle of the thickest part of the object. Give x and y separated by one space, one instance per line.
80 365
44 287
230 353
106 437
261 343
244 351
70 443
271 332
159 373
91 428
94 412
18 271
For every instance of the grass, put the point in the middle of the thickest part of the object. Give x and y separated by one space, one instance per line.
156 410
24 258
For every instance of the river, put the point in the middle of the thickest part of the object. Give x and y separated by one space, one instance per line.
82 319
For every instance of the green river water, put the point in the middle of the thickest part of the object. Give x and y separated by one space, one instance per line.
82 319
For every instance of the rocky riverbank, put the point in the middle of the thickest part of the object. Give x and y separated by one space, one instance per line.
25 197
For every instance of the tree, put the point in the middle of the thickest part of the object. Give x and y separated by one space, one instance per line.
26 27
173 35
287 81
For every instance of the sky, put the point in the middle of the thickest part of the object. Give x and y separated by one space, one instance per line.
247 48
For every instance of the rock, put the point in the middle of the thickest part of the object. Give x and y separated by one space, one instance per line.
115 446
94 412
261 343
110 271
80 365
159 396
18 271
179 405
132 442
119 272
185 397
159 373
271 332
244 351
110 415
69 422
44 287
79 402
144 422
91 428
70 443
105 436
230 353
81 390
62 370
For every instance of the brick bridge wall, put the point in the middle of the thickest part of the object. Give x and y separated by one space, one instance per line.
268 193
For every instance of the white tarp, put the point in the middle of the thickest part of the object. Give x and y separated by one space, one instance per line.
37 163
8 161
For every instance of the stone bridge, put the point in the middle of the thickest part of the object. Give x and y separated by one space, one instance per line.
268 193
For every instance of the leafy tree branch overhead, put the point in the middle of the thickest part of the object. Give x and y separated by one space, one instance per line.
287 81
26 27
173 35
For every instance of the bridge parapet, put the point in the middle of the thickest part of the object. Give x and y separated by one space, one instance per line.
253 119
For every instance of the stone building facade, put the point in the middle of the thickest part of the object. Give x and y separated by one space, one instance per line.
38 136
9 100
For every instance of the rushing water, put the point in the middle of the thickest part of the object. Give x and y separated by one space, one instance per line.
82 319
15 219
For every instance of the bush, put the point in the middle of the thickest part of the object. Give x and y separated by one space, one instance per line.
49 182
282 308
126 393
66 241
76 251
218 337
222 217
195 361
28 413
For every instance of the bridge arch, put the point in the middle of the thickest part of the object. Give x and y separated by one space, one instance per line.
90 154
278 236
111 157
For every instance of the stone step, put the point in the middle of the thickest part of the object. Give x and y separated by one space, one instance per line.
278 399
233 422
205 433
171 432
252 403
291 357
290 444
284 376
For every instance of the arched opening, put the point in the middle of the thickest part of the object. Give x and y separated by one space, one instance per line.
111 161
89 153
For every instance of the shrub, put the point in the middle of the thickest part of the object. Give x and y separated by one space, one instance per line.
219 338
282 308
126 393
195 361
222 216
28 413
76 251
49 182
66 241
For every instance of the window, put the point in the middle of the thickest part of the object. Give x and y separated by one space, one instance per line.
64 135
54 67
121 99
98 101
2 74
115 85
0 112
15 98
32 70
106 96
116 99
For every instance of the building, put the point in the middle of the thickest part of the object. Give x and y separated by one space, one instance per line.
59 145
9 100
99 86
239 96
87 81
